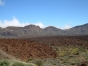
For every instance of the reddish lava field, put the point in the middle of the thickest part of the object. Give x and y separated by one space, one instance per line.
25 49
62 40
39 47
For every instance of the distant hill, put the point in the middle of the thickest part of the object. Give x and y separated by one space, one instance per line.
36 31
78 30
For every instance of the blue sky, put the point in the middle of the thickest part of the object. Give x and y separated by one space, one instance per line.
63 14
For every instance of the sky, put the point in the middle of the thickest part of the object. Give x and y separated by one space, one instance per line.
63 14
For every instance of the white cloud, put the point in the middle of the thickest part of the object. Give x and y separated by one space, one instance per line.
67 26
40 24
16 22
2 3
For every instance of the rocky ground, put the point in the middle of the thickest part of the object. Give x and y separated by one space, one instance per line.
25 49
62 40
49 51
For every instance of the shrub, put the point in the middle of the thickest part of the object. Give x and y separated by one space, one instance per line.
17 64
39 63
4 63
73 50
30 59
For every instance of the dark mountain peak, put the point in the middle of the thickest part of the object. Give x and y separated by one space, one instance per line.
81 26
31 26
51 28
86 24
12 27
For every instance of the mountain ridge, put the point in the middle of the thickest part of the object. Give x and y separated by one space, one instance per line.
36 31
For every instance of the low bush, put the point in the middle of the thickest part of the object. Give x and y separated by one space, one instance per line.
17 64
4 63
39 63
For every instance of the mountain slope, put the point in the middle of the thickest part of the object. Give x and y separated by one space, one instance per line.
79 30
36 31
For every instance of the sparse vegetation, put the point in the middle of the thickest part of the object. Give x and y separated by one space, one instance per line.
4 63
68 59
71 56
39 63
63 51
17 64
30 59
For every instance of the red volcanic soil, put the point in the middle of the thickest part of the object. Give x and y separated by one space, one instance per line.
62 40
25 49
40 47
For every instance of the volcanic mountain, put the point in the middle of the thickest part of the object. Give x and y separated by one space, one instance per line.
36 31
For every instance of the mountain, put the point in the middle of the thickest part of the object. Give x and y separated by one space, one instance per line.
52 31
36 31
79 30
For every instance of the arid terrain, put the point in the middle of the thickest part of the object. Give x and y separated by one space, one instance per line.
62 40
54 50
25 49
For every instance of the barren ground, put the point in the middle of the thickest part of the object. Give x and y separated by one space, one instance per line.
54 50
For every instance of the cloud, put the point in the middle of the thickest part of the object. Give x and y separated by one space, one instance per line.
67 26
40 24
16 22
2 3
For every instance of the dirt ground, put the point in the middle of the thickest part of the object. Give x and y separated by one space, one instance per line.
39 47
25 49
62 40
